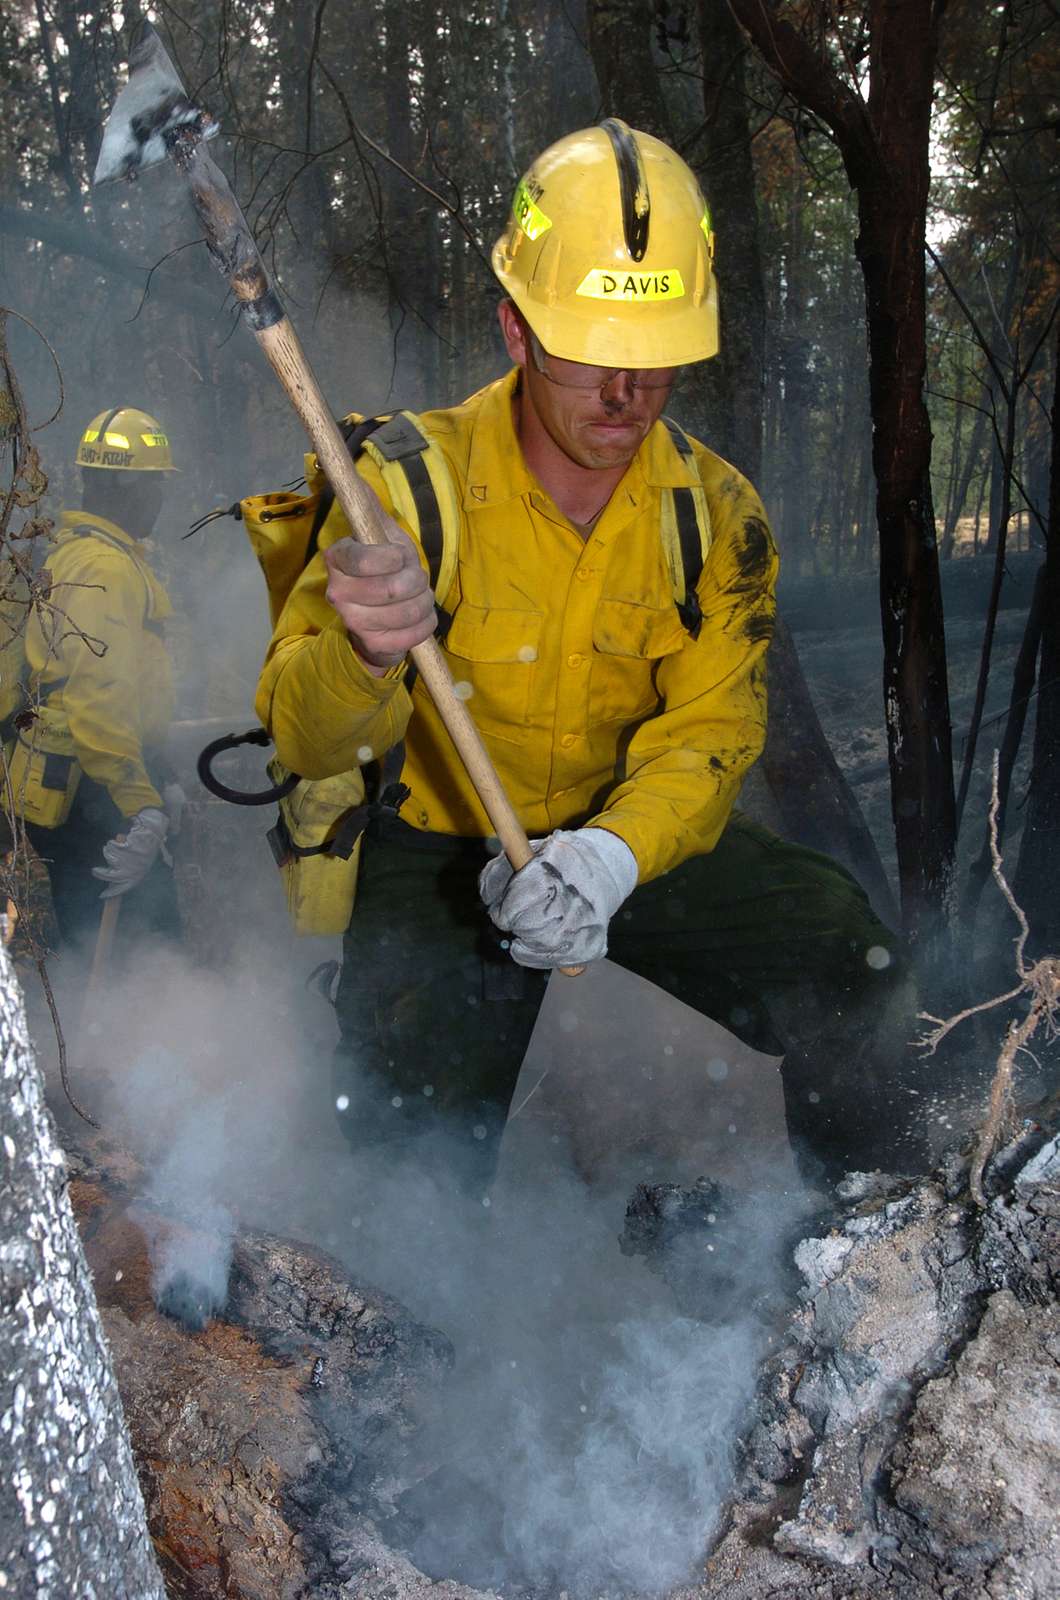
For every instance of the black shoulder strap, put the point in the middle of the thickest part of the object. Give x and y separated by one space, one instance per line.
354 433
397 439
400 440
689 537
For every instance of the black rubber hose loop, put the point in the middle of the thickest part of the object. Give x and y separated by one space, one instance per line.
239 797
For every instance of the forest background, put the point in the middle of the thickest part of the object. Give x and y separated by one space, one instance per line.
882 182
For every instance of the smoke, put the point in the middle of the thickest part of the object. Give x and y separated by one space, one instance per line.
584 1439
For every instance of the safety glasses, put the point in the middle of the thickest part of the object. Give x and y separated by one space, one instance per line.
577 375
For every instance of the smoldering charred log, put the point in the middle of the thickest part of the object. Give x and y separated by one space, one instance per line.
276 1418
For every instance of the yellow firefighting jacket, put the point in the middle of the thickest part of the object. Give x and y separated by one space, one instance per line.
595 703
117 702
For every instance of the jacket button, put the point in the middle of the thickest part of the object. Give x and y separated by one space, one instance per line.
575 660
567 740
583 574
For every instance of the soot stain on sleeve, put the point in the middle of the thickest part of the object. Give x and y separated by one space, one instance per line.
753 553
759 626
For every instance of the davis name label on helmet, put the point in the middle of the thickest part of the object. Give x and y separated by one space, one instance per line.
600 284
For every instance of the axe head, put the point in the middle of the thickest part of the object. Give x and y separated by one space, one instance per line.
152 116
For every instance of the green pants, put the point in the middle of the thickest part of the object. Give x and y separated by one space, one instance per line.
777 942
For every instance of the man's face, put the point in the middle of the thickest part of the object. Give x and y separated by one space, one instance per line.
597 418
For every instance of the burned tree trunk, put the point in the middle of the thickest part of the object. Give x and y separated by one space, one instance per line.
620 46
1035 883
809 799
733 383
883 139
71 1515
916 697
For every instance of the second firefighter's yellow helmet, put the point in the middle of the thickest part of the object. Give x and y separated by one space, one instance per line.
125 440
608 252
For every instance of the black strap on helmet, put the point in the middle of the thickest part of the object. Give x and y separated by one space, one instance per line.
633 186
240 797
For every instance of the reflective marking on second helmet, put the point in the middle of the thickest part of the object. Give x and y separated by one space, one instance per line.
528 214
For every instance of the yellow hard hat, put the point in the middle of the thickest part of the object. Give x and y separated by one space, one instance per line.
125 440
608 252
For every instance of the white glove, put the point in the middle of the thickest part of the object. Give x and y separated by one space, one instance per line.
131 855
558 906
173 802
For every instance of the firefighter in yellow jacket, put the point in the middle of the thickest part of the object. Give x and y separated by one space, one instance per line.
620 728
89 771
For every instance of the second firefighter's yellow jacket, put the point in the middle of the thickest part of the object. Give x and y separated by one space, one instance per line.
595 703
99 658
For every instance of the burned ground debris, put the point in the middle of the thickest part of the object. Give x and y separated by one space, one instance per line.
261 1436
905 1439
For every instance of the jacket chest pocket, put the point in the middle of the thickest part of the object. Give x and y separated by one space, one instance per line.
495 653
629 641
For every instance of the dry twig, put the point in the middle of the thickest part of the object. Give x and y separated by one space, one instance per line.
1039 981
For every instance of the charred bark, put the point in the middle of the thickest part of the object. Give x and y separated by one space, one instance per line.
1023 679
892 207
71 1512
732 384
1035 880
620 33
811 801
884 143
262 1436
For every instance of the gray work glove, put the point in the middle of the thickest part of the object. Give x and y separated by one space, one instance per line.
173 802
132 854
558 906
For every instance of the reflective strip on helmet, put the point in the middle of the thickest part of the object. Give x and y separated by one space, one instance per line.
154 440
527 213
708 231
118 440
599 284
